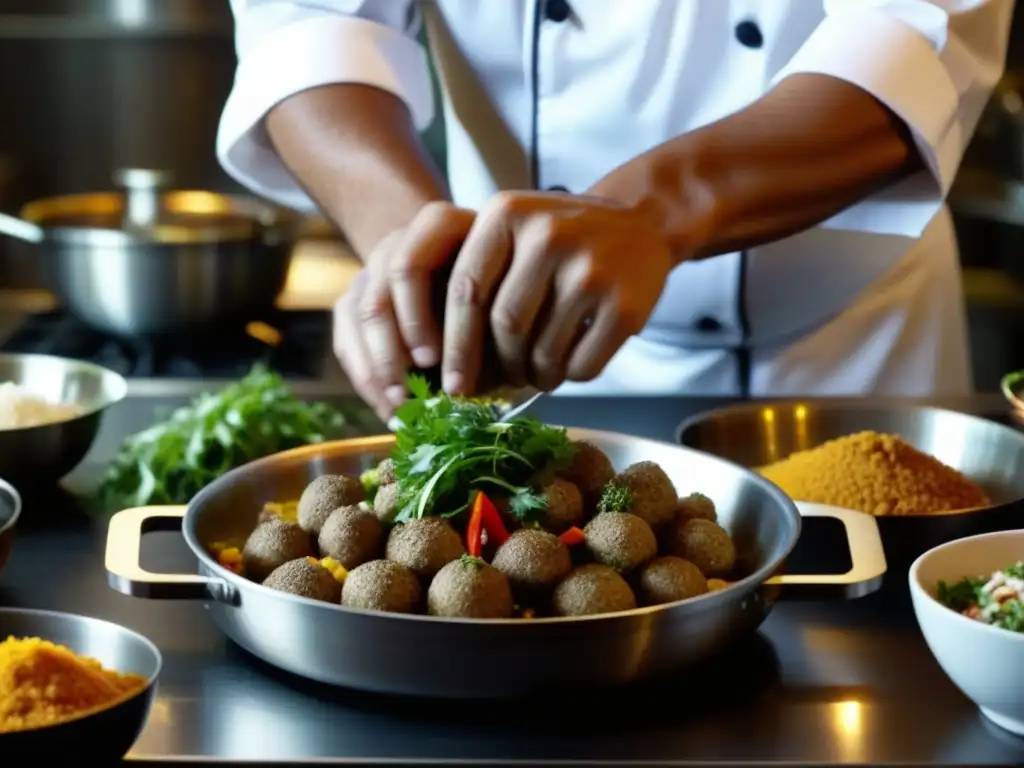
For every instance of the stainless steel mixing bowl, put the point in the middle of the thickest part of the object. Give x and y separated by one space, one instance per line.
425 655
988 453
10 511
44 454
98 736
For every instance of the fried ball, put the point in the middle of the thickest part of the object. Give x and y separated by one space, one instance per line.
534 561
324 495
696 506
386 472
668 579
469 588
385 502
564 506
590 589
306 578
705 544
424 546
352 536
272 544
652 496
590 472
381 585
620 540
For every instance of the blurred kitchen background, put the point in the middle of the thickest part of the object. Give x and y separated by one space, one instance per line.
90 86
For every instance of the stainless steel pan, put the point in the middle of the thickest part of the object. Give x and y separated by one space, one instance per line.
422 655
991 454
147 260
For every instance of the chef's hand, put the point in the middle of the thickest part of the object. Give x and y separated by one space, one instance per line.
563 281
385 319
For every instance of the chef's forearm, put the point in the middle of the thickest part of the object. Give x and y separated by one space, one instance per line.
355 151
808 149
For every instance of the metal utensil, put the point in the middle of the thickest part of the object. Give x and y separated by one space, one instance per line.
990 454
149 261
10 511
20 229
521 403
43 454
424 655
106 734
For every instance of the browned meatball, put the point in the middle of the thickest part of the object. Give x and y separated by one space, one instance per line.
424 546
696 506
352 536
705 544
564 506
668 579
386 472
271 544
534 561
652 495
469 588
323 496
620 540
590 589
385 502
381 585
590 472
307 578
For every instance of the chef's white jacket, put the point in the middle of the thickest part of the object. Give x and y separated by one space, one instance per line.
556 93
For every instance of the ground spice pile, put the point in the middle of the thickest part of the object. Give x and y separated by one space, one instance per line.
42 684
874 473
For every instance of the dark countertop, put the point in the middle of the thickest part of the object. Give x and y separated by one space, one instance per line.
822 683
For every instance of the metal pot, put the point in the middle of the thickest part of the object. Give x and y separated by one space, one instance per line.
147 261
424 655
988 453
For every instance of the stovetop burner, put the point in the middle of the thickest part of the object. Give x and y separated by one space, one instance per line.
293 343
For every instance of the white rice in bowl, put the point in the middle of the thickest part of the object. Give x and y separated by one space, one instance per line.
20 409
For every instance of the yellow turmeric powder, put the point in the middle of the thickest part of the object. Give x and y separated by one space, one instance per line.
875 473
43 684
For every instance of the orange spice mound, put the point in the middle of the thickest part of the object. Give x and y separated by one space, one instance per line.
874 473
42 684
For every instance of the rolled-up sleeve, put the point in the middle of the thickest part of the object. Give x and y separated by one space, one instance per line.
289 46
934 64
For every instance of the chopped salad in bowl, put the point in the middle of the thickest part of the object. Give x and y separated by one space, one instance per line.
997 599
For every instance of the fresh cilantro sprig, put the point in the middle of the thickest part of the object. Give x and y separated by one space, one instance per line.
968 592
173 460
448 447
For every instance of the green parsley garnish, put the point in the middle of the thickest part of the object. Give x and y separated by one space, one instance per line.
615 497
254 417
446 448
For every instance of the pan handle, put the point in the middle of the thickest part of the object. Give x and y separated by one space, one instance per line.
866 554
126 574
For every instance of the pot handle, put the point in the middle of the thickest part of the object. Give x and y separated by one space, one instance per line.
122 559
866 554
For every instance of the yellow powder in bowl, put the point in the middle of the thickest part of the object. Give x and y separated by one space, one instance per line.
875 473
42 684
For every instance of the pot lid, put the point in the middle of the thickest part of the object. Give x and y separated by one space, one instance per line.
147 210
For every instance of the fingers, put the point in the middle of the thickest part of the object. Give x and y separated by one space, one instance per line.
576 299
520 298
351 351
426 246
479 266
617 318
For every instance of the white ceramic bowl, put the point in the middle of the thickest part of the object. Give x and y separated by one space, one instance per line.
985 662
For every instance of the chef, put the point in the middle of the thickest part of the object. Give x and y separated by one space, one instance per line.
643 196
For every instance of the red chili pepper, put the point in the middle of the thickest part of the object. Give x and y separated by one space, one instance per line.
573 537
491 518
475 529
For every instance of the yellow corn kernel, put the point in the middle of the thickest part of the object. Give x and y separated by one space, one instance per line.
337 570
